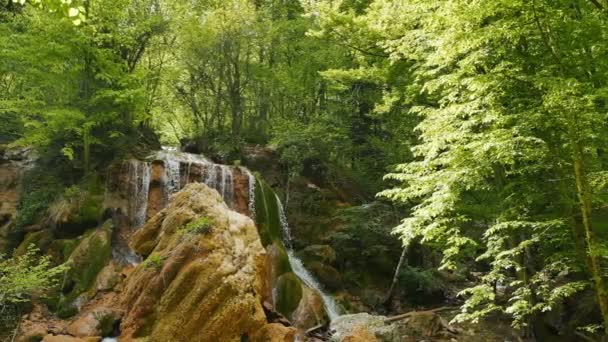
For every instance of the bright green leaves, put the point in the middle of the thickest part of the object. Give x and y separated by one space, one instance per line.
509 91
68 8
26 276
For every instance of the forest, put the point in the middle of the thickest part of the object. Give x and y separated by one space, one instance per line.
441 161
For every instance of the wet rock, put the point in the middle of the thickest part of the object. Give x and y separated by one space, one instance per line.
288 293
327 275
319 253
310 311
107 278
195 286
274 332
95 323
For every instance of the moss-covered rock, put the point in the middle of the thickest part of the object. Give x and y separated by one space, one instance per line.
319 253
208 287
61 249
41 239
91 255
267 215
327 275
288 293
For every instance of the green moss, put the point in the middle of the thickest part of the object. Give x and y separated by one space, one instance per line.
86 261
154 261
64 247
106 323
201 225
41 239
281 260
67 311
268 218
289 293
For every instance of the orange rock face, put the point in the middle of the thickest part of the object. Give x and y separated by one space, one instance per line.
195 286
274 332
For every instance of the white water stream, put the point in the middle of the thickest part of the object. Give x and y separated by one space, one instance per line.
331 307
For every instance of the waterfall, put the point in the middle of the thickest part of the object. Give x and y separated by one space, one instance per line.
227 185
139 185
216 176
331 307
172 177
211 179
251 183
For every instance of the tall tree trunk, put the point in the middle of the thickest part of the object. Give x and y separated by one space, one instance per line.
582 189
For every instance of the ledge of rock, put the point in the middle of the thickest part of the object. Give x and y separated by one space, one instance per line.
203 274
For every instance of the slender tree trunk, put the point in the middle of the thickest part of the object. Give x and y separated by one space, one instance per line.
86 137
389 295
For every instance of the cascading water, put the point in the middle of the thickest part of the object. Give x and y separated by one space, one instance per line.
139 179
172 177
332 309
211 176
227 185
251 181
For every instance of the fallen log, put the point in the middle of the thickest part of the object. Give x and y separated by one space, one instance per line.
408 314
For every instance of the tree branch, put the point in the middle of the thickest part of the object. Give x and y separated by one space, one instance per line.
597 4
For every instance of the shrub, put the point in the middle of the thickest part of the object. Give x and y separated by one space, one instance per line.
25 277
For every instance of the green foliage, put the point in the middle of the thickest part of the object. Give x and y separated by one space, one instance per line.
201 225
421 286
27 276
76 88
511 101
155 261
40 189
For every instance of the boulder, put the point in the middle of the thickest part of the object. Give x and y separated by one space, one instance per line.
87 260
352 327
327 275
68 338
95 323
33 332
360 334
413 326
274 332
195 285
41 239
319 253
310 311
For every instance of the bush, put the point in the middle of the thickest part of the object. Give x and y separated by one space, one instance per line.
25 277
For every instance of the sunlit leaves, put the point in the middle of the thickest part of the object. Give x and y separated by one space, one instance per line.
68 8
